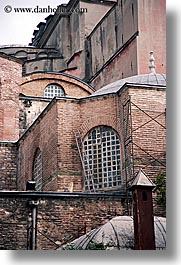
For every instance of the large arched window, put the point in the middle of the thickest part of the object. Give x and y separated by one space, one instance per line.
101 154
37 170
54 90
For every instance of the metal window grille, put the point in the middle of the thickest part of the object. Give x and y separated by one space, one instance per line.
53 91
101 154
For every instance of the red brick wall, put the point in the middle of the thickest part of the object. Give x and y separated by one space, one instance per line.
10 74
70 170
106 110
81 116
43 136
74 116
61 123
149 136
55 136
99 111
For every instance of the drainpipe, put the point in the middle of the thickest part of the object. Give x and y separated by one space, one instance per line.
34 206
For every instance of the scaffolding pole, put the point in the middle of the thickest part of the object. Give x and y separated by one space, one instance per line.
128 147
84 158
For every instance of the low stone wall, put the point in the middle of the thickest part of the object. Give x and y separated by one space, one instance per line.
61 217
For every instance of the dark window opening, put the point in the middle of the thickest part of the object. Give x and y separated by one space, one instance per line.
144 196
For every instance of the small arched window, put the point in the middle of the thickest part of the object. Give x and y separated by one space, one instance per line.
42 55
37 170
101 154
21 54
54 90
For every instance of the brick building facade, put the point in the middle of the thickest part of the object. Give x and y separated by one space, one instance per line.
81 145
98 47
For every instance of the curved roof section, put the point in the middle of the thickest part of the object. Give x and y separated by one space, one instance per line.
118 233
8 57
151 79
63 76
34 84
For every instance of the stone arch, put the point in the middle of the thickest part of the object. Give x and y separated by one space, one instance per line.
34 84
93 121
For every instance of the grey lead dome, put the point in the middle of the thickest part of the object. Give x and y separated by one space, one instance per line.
118 233
151 79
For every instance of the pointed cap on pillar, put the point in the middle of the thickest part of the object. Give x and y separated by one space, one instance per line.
141 180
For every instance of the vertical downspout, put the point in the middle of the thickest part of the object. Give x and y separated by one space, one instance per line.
34 206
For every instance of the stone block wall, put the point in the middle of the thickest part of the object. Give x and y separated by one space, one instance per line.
119 45
119 67
8 166
60 217
109 42
13 223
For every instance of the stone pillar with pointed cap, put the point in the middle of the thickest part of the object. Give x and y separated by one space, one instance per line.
144 235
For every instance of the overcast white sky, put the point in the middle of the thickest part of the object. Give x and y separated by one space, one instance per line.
17 28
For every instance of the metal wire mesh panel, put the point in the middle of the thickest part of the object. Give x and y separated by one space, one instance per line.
101 156
54 90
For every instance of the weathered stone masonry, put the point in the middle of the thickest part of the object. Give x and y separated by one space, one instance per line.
61 217
108 48
98 47
8 165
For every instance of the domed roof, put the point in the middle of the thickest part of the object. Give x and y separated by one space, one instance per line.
118 233
151 79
